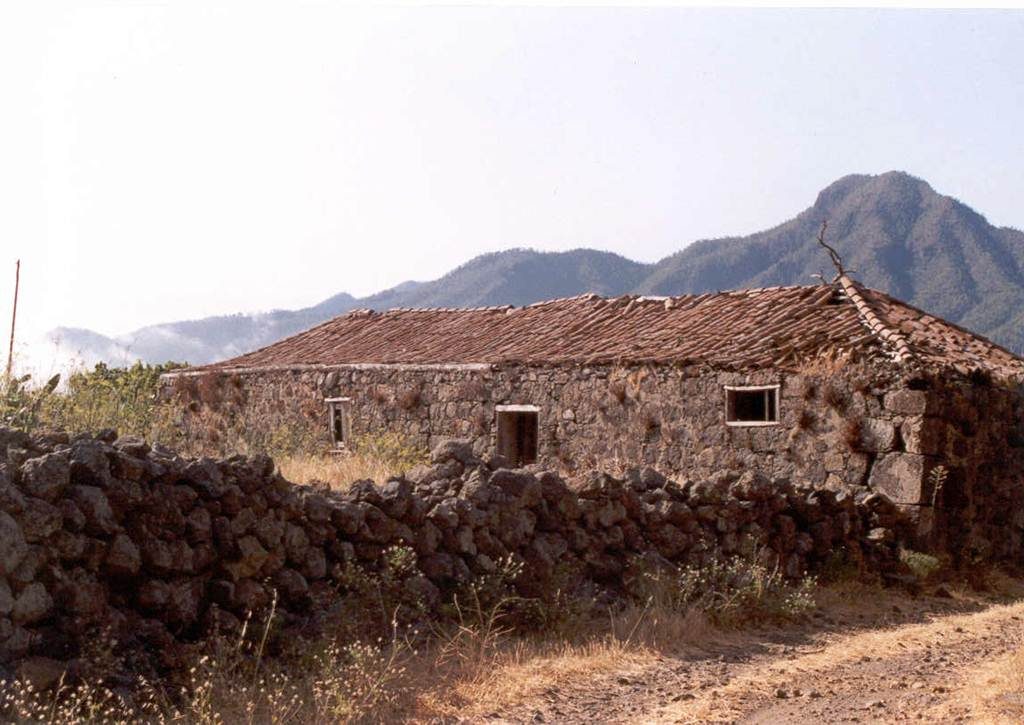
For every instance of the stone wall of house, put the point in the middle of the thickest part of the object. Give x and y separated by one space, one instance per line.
671 418
105 539
840 424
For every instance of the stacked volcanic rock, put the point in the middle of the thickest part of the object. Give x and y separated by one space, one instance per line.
100 534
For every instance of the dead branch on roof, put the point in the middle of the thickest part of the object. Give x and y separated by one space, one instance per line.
837 261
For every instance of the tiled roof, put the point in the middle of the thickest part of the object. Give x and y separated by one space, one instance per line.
743 329
935 343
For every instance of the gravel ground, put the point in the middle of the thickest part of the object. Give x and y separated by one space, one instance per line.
895 659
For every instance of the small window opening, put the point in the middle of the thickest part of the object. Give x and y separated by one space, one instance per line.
752 405
338 424
517 433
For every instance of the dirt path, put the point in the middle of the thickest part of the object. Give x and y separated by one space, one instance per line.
890 660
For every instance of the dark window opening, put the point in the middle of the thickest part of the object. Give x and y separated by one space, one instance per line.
752 406
338 421
517 435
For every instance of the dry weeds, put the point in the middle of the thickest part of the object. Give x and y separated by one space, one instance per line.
469 672
337 471
377 458
519 670
480 668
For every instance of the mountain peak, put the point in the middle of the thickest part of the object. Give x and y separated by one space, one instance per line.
859 188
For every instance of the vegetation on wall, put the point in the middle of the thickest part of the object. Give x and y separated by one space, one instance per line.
89 400
125 399
21 404
194 421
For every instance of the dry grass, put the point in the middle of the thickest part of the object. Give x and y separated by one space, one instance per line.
517 670
836 398
617 389
853 434
826 364
338 471
410 398
377 458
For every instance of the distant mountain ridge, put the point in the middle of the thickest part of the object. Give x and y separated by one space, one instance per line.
897 233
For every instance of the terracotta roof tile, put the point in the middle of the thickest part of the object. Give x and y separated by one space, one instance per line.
734 330
938 344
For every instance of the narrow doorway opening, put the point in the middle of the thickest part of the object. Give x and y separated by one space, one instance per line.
339 424
517 433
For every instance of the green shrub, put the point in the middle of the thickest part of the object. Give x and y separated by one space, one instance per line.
840 567
922 565
731 591
21 405
126 399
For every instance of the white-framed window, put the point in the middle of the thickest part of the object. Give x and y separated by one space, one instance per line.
339 423
517 427
751 405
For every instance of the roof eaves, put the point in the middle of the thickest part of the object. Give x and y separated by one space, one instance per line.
327 367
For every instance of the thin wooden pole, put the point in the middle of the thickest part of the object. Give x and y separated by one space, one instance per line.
14 318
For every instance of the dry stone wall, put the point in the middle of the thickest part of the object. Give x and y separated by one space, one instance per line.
108 536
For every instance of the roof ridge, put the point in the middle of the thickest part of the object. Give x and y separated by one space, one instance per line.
589 296
889 335
488 308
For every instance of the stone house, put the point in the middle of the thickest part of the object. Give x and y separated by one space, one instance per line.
832 385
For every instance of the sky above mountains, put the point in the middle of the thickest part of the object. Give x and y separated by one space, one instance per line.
167 162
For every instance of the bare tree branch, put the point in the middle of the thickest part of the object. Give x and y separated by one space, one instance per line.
837 261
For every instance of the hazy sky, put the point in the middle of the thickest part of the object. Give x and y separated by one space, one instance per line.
167 162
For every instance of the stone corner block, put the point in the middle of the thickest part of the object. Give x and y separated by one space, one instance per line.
902 477
925 435
907 402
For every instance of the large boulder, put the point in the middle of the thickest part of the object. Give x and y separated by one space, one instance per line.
46 477
42 673
12 500
33 604
518 485
123 557
40 519
206 478
93 502
89 463
6 598
454 450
